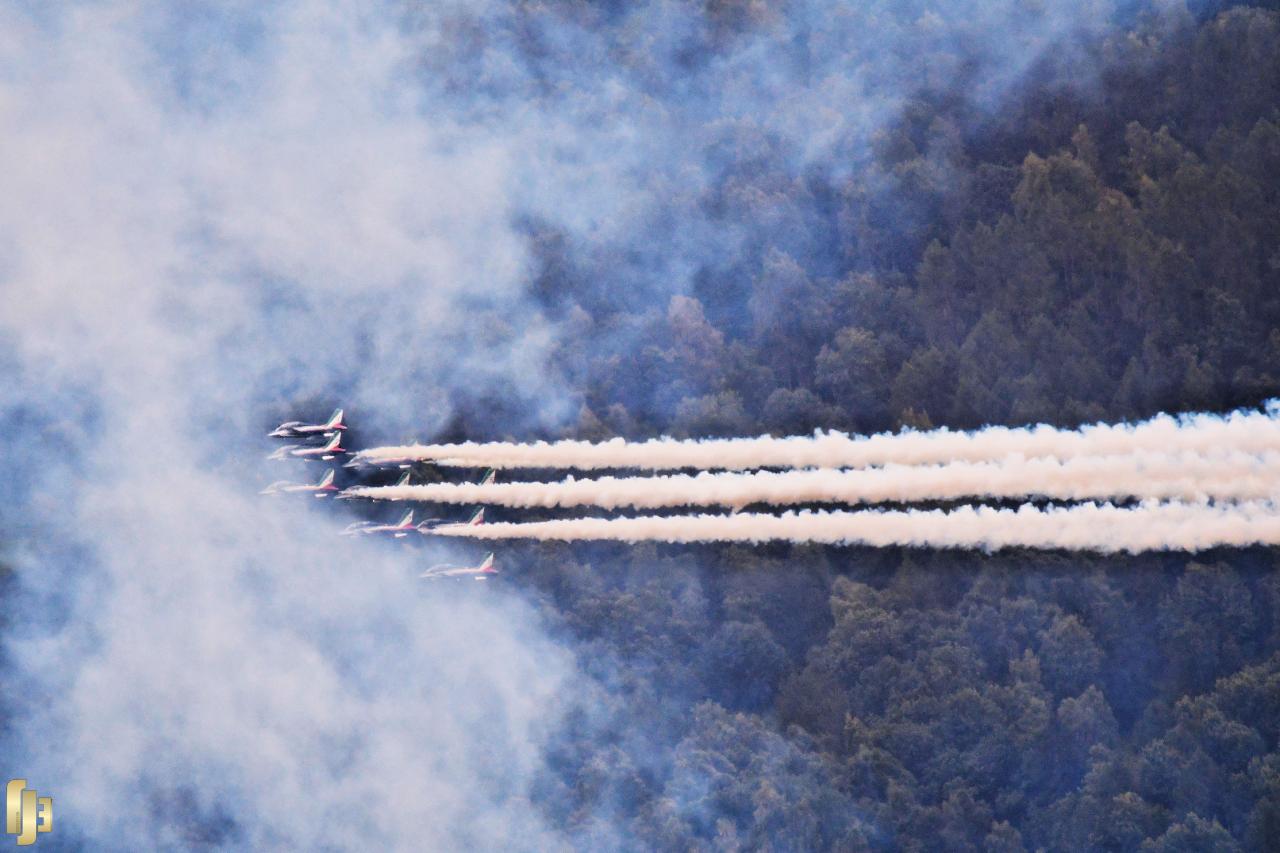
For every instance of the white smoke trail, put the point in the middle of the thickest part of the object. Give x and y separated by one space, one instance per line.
1244 431
1084 527
1188 477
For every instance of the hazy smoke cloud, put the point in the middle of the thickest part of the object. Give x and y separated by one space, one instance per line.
215 214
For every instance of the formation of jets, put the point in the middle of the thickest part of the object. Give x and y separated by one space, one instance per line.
330 431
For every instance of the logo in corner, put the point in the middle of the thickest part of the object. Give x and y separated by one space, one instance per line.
26 813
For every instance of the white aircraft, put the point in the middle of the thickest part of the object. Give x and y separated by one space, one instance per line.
445 570
329 450
476 519
297 429
405 462
399 530
317 489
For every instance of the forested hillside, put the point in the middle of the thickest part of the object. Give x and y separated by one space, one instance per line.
1099 250
1101 241
517 220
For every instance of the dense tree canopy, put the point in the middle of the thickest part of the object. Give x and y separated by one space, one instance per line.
1100 249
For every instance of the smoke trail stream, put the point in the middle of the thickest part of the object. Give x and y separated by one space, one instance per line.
1243 431
1085 527
1228 476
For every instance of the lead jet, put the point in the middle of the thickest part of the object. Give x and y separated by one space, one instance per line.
445 570
329 450
318 490
297 429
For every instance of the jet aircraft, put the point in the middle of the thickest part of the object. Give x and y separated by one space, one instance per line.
445 570
297 429
476 519
329 450
399 530
318 490
404 462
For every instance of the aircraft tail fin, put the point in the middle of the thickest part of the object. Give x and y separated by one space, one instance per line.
477 518
404 479
333 442
407 520
487 566
490 475
326 481
335 420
